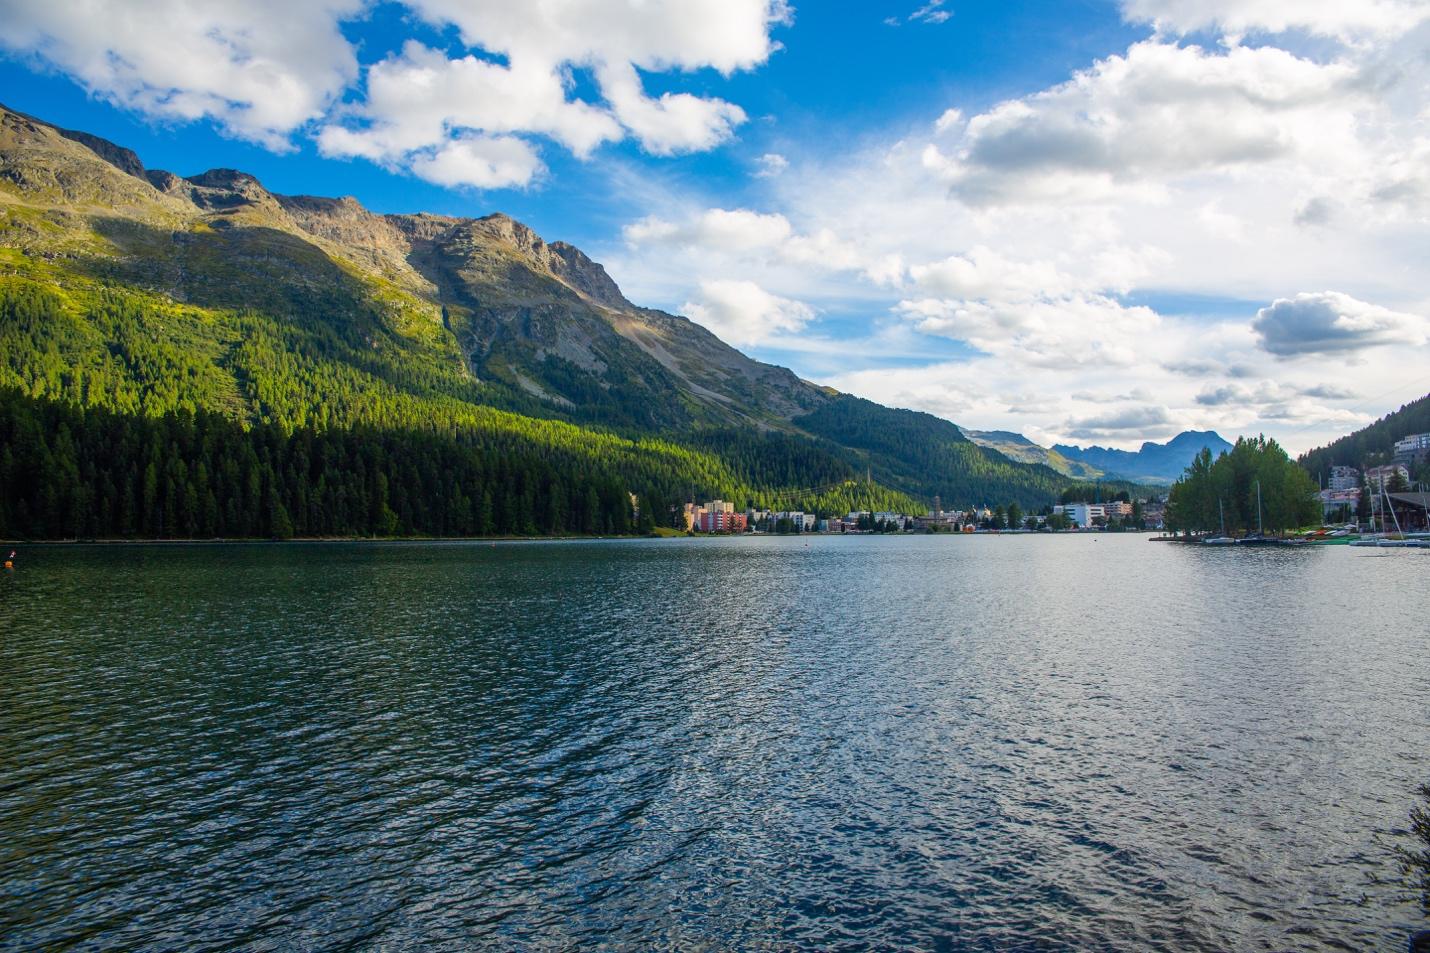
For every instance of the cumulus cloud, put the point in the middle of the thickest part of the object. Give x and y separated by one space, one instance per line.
1104 238
1070 331
415 98
265 69
742 234
261 68
1139 419
743 313
1134 120
770 165
487 162
1344 19
1329 322
615 39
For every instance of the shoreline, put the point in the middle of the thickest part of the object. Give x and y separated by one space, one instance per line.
310 540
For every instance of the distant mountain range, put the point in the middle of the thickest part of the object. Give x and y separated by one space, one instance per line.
1155 462
1015 446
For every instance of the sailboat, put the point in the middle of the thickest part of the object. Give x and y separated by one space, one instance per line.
1223 539
1386 541
1261 539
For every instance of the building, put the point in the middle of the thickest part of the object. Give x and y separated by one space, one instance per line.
802 522
1412 511
694 514
1413 449
1378 478
1332 501
721 521
938 522
1117 509
1082 514
1344 478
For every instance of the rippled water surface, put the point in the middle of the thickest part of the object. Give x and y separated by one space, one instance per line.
1074 743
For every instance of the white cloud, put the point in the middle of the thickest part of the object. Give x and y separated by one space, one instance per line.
261 68
614 39
931 12
1130 122
484 162
674 123
265 69
749 236
743 313
1085 240
1046 332
1328 322
415 98
657 35
770 165
1335 18
1140 419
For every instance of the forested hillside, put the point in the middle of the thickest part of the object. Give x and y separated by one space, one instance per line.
259 320
1373 444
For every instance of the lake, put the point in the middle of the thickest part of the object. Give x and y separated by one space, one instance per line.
1084 742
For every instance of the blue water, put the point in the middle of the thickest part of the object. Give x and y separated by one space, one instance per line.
1072 743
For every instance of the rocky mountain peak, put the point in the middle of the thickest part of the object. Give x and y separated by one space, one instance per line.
229 189
572 266
230 179
125 160
509 231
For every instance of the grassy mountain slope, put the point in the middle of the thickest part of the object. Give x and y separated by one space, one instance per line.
1373 444
142 292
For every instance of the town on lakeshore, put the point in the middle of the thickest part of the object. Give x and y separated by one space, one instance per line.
721 516
1385 494
1382 495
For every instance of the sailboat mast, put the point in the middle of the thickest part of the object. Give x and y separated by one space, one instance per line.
1385 494
1259 531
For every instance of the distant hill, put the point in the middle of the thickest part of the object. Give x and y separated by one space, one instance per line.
1375 442
1015 446
1155 462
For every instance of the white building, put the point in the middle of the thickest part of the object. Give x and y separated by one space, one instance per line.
1344 478
1082 513
1412 447
804 522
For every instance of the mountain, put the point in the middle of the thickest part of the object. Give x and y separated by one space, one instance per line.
1015 446
1155 462
141 292
1373 444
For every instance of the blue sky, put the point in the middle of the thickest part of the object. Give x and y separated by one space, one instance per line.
1087 221
842 74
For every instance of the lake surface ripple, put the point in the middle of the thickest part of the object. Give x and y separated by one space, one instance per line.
1074 743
